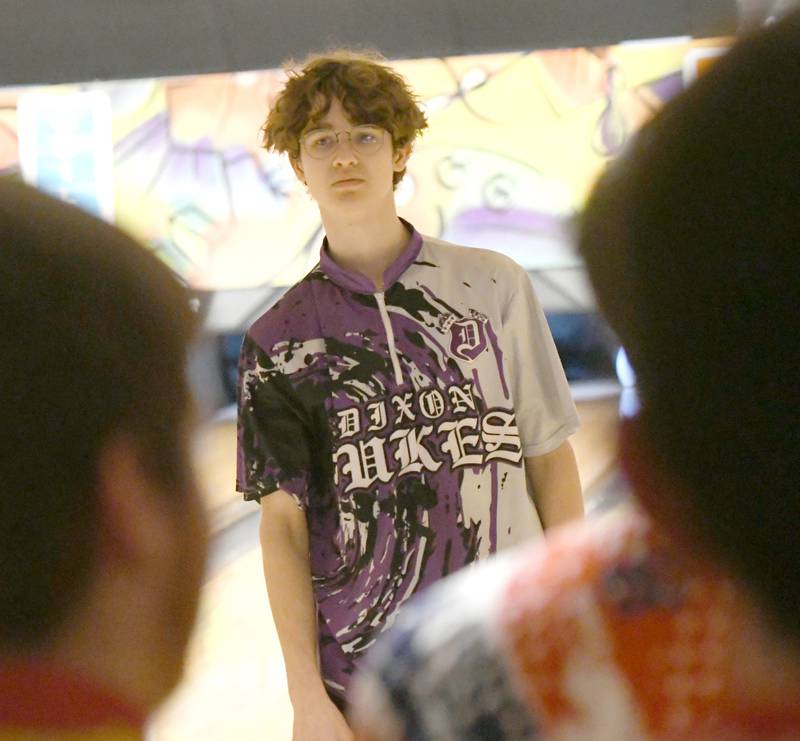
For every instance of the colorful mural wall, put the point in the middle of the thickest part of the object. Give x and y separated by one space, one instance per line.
515 141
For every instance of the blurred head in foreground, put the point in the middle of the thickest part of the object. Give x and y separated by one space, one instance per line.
102 532
692 242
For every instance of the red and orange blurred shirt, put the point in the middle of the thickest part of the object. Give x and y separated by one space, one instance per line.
599 633
39 701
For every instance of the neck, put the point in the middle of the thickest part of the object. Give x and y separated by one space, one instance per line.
119 644
366 244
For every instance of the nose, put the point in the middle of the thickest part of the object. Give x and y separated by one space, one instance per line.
345 154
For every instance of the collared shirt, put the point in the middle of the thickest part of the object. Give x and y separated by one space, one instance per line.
399 421
40 701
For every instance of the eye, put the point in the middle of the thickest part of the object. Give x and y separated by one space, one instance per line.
367 136
319 141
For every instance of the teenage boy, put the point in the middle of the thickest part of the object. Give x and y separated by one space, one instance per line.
402 410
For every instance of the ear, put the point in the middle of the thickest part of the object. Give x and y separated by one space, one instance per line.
135 523
297 166
401 155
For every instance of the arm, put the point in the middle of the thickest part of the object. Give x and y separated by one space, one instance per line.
556 486
284 546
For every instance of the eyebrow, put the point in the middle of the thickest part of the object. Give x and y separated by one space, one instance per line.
329 127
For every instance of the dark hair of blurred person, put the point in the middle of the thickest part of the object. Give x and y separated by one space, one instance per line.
691 242
102 532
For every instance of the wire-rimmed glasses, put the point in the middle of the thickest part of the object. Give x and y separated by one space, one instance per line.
322 143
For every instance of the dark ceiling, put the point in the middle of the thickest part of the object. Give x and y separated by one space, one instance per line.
49 41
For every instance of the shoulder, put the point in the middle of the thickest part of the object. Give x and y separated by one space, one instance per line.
470 260
454 658
584 557
293 317
569 559
438 672
455 613
591 623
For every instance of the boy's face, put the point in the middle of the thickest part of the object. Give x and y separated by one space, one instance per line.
349 177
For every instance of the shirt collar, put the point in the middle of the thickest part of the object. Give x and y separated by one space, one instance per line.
355 281
39 695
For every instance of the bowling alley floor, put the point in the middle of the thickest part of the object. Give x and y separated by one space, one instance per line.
234 688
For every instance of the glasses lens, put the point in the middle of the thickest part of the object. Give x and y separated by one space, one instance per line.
366 139
320 143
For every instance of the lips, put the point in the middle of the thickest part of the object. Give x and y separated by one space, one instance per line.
348 181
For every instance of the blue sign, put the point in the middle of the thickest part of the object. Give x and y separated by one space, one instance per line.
66 147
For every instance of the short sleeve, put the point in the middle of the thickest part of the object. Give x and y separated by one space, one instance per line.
439 672
274 430
545 411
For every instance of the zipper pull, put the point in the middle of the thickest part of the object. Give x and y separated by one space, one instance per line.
387 326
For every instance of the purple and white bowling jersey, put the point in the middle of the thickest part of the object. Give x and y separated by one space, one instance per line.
398 421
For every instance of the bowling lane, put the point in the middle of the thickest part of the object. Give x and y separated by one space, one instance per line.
235 686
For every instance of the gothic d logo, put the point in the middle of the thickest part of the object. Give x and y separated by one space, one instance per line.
467 338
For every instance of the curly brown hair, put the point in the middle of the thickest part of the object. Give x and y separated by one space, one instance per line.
368 89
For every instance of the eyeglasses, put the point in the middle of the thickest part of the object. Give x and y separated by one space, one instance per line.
322 143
